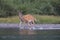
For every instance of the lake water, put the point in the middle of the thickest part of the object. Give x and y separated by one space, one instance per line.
13 34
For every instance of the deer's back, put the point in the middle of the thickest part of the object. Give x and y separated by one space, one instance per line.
28 17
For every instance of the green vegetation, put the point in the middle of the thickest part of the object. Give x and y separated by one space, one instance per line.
47 19
40 19
13 19
41 7
8 10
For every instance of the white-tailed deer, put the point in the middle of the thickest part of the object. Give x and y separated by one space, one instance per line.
29 19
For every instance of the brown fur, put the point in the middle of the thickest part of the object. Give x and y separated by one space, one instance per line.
29 19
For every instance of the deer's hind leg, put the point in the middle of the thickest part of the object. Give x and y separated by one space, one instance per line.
30 25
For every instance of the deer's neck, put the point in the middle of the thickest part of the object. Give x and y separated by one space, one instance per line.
20 15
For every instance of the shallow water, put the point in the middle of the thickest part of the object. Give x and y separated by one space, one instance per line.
13 34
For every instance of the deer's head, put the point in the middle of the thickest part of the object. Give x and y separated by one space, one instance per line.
20 13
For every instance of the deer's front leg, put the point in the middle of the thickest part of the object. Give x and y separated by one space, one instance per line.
20 25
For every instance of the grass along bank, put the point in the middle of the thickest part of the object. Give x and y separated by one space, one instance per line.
40 19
